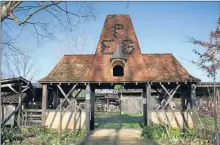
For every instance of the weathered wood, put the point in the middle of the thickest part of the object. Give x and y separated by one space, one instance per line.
87 107
32 110
60 121
145 105
74 119
148 104
183 96
44 104
67 95
6 119
163 99
55 99
19 112
12 89
92 121
170 95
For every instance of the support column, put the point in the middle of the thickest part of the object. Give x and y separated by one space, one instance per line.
44 104
146 109
88 107
193 105
55 98
92 121
183 97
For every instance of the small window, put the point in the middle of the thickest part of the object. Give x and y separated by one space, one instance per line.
118 70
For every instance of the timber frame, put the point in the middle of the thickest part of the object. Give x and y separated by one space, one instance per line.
165 90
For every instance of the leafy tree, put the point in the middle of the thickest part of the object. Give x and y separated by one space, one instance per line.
209 61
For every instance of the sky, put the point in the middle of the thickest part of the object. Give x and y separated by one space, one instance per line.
161 27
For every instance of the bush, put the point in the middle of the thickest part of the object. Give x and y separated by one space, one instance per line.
154 131
159 131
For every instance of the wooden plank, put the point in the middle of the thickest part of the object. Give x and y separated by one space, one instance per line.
34 115
44 104
32 110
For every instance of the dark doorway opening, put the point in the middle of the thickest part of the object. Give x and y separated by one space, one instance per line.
118 70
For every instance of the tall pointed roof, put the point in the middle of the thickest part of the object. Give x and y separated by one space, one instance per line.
118 30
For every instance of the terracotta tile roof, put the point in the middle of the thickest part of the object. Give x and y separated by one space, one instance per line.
118 30
70 68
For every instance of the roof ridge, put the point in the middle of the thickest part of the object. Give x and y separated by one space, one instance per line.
157 54
77 54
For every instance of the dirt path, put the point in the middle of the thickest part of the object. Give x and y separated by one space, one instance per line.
117 137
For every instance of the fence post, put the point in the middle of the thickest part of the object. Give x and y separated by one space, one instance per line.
60 122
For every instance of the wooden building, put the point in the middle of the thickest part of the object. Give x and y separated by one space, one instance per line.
118 61
16 93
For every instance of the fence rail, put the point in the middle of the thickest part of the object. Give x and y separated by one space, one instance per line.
31 117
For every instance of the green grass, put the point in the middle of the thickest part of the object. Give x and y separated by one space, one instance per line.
40 136
207 123
117 121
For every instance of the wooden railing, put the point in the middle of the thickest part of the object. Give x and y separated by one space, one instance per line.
31 117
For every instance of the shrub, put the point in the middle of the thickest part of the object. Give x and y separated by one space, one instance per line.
154 131
159 131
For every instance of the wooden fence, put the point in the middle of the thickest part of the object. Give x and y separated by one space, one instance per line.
31 117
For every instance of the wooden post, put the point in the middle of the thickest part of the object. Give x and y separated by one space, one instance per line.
193 103
19 111
88 107
60 122
148 104
44 104
75 112
55 98
183 96
145 105
92 121
146 101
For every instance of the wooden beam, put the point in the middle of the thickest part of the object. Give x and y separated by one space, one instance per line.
163 100
44 104
25 89
7 85
12 89
6 119
170 95
67 95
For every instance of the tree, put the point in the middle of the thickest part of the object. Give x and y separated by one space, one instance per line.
25 14
209 61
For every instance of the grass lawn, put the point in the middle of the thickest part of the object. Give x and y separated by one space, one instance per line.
117 121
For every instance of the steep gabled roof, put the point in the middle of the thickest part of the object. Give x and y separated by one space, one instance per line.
118 30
